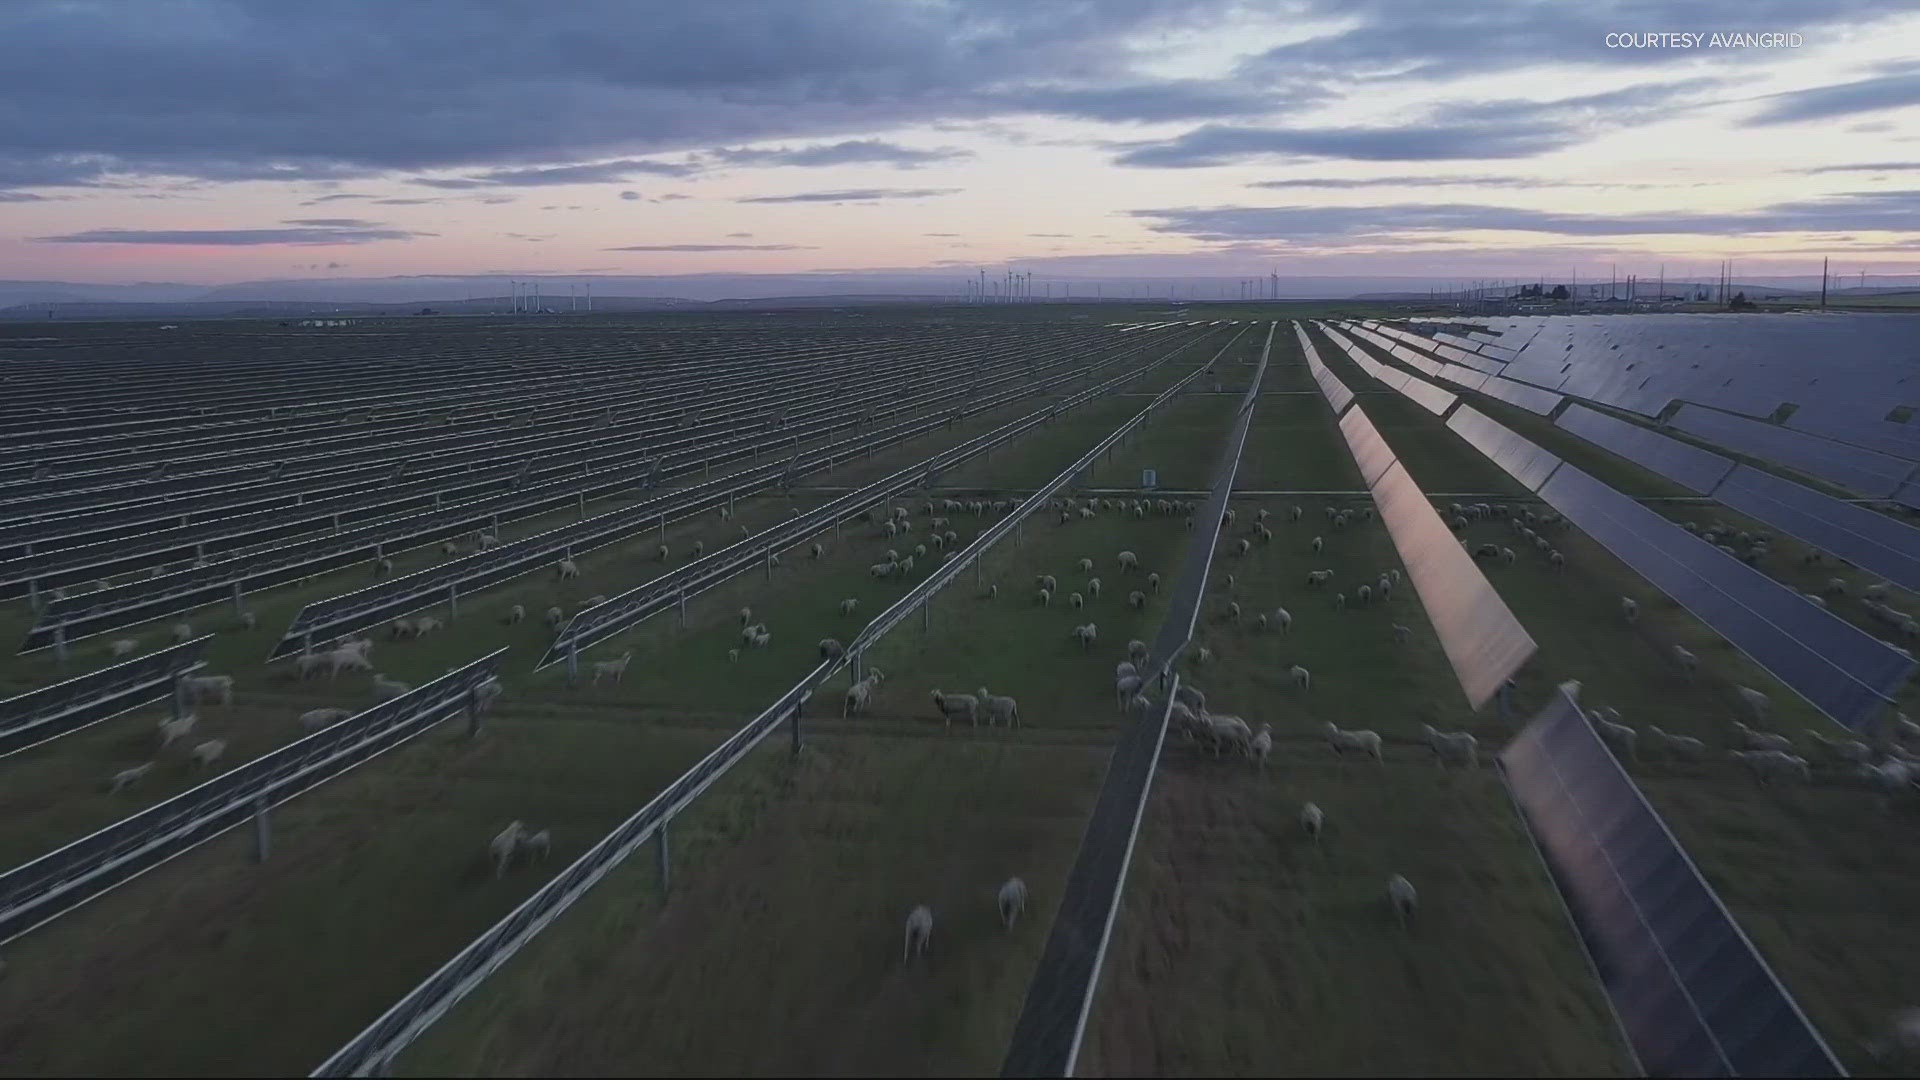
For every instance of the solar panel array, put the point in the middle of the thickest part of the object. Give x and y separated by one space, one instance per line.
1689 466
1531 398
1868 472
1842 670
1869 540
1695 997
51 711
1331 387
1527 461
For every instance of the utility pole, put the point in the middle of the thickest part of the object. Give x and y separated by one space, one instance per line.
1823 282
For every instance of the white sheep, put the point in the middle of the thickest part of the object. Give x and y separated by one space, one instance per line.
535 845
663 552
210 688
1153 582
1402 634
1684 747
919 932
171 729
1363 595
1452 745
1624 738
1137 600
1076 601
208 752
403 628
1556 560
1318 545
1629 610
1224 729
1086 565
569 569
315 719
1313 820
847 606
1093 588
1401 894
1128 561
385 689
858 695
1000 709
1085 635
816 551
555 617
1262 745
1688 662
1044 598
615 668
516 614
1137 651
182 631
1125 686
1302 678
1770 765
124 647
382 566
125 777
1762 740
1755 701
426 624
249 621
504 846
1012 900
1366 742
1852 751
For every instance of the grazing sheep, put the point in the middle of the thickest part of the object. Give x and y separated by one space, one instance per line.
124 647
1222 730
1085 635
1316 578
1313 821
1678 747
385 689
1771 765
383 566
182 631
1044 598
504 846
1762 740
615 668
1093 588
1076 601
1137 651
919 932
1153 582
831 649
535 845
210 687
315 719
516 614
1233 612
1126 686
405 628
1851 751
1137 600
1318 545
1506 556
1202 655
1366 742
1876 591
208 752
816 551
1624 739
1556 560
858 695
176 729
1688 662
1241 547
1401 894
1302 678
1128 561
962 705
1340 601
1191 696
883 569
1012 900
449 549
1629 610
1261 746
999 708
1293 513
1048 583
425 624
1756 702
555 617
569 569
249 621
125 777
1402 634
1086 566
1363 595
1452 745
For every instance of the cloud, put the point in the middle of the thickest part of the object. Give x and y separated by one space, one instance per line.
1893 211
333 223
851 195
1867 166
1452 131
350 90
940 234
411 202
1898 86
1160 102
342 197
672 197
1051 235
594 173
739 236
526 237
630 196
850 152
711 247
231 237
21 196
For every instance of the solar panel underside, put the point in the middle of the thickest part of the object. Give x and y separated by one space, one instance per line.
1695 997
1525 460
1689 466
1866 538
1864 471
1842 670
1482 639
1531 398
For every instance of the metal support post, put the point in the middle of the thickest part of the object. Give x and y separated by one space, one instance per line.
178 697
854 666
453 601
663 528
682 605
200 549
769 564
262 830
926 613
33 595
60 644
473 711
238 607
663 859
573 663
581 498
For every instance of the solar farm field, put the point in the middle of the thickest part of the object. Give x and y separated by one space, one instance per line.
752 577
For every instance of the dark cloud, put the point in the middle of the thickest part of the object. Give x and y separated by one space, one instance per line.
334 223
851 195
1898 85
711 247
1894 211
851 152
594 173
1419 39
21 196
342 197
1867 166
940 234
230 237
1050 235
1161 101
411 202
1452 131
526 237
739 236
672 197
630 196
262 89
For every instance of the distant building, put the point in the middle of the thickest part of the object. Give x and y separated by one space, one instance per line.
325 322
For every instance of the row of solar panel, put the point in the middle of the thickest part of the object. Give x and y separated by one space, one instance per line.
1331 387
1865 471
1693 995
1527 461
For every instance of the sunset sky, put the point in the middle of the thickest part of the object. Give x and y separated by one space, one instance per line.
208 142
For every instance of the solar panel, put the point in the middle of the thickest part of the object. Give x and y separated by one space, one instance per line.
1435 399
1842 670
1865 471
1862 424
1482 639
1694 995
1525 460
1461 375
1869 540
1370 451
1531 398
1689 466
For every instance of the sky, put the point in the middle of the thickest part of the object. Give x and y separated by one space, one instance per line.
206 142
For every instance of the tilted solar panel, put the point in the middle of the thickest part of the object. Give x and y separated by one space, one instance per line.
1689 466
1864 537
1435 399
1865 471
1370 451
1531 398
1525 460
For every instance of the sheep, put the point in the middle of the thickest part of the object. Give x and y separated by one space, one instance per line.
176 729
425 624
1457 745
1366 742
535 845
516 614
1086 565
314 719
1313 820
1402 634
1848 750
1340 601
1222 729
1301 677
858 695
816 551
1363 595
761 638
1137 651
210 687
831 649
1044 598
1076 601
555 617
883 569
1153 582
1769 765
1629 610
1624 739
1318 545
1232 614
1202 656
488 540
125 777
961 705
449 549
1676 746
1902 1041
1317 578
1241 547
999 708
1401 894
1137 600
382 567
1262 745
208 752
404 628
182 631
1756 702
615 668
1128 561
249 621
568 569
1012 900
1048 583
1191 696
1762 740
1085 635
919 932
663 552
504 846
1877 590
1126 686
124 647
1506 556
1555 559
385 689
1093 588
1688 662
